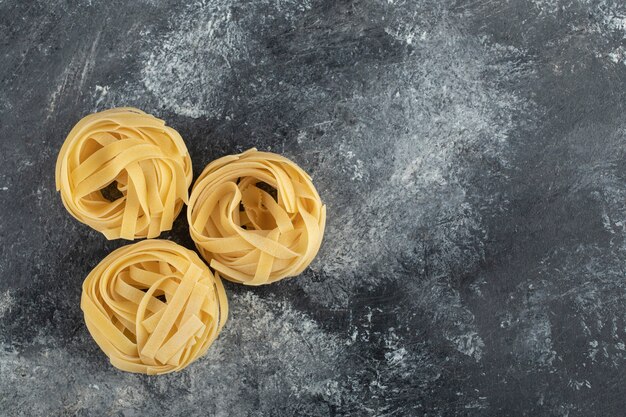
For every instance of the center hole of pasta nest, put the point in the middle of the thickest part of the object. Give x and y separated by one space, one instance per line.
111 192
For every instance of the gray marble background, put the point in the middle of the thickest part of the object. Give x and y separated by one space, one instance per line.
471 154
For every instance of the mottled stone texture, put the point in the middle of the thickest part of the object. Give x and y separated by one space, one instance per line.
471 154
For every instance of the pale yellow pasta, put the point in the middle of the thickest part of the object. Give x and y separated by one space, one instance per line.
143 165
153 307
247 234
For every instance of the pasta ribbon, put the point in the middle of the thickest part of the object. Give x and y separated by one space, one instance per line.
153 307
256 217
124 173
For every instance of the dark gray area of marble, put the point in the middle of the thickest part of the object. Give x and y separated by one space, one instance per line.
471 154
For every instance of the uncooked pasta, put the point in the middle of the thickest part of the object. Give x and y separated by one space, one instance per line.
256 217
124 173
153 307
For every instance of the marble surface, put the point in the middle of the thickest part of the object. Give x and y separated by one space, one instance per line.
471 154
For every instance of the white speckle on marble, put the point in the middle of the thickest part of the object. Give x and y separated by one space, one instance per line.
6 302
395 357
301 137
611 19
616 22
100 94
578 385
470 344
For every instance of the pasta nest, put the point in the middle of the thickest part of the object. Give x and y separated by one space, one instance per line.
256 217
153 307
124 173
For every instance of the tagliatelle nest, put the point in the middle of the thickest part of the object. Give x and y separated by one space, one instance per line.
124 173
153 307
256 217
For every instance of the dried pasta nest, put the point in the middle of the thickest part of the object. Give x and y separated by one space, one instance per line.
256 217
153 307
124 173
